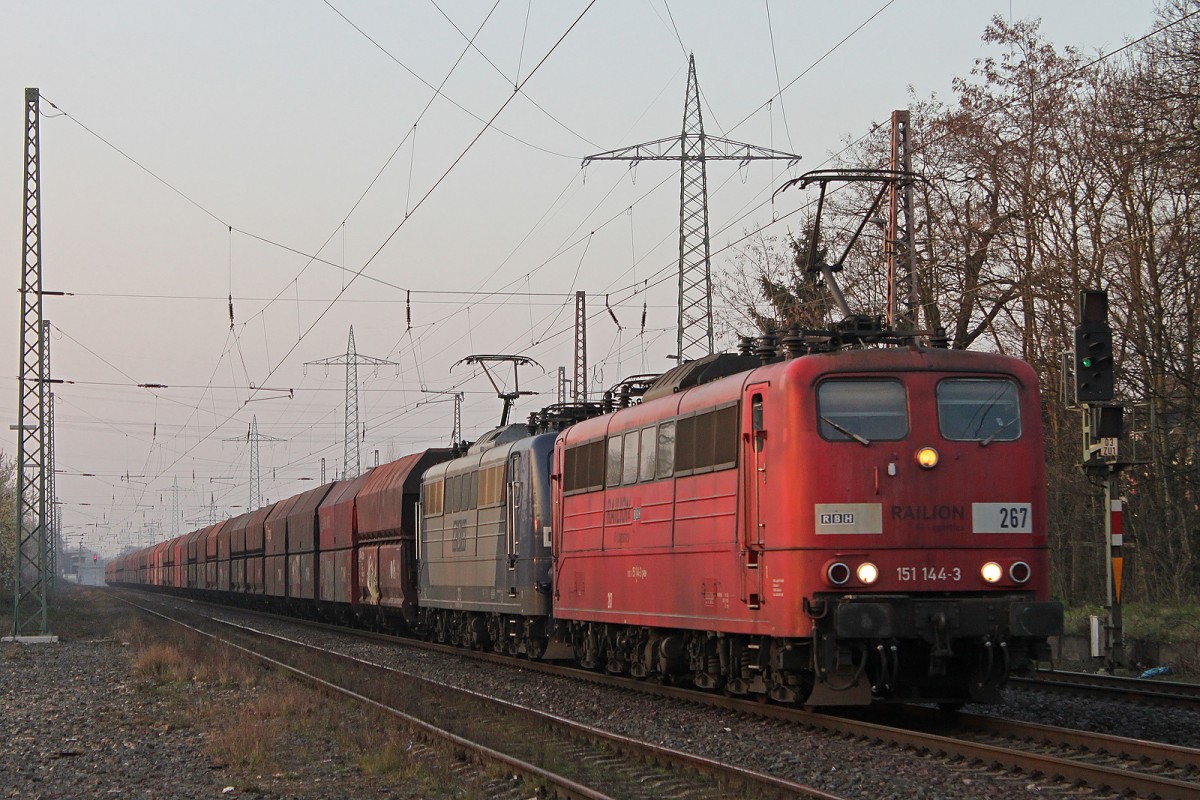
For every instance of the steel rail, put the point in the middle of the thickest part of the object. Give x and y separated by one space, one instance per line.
1139 753
1176 695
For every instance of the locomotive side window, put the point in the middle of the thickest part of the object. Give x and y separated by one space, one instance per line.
462 487
862 410
725 436
613 476
980 410
646 465
490 481
432 502
666 450
485 488
583 468
707 441
594 455
456 500
685 445
629 469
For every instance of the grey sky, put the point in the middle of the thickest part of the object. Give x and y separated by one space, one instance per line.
275 117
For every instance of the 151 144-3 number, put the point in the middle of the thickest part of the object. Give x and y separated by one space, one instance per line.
928 574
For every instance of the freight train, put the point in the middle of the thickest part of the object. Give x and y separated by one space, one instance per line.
812 524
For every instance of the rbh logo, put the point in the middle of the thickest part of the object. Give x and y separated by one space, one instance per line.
837 519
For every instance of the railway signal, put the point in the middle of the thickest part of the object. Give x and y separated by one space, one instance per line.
1094 375
1102 428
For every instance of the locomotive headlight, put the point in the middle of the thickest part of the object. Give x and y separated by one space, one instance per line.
1020 572
927 457
991 572
867 572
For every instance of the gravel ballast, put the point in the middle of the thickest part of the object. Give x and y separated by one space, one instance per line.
74 725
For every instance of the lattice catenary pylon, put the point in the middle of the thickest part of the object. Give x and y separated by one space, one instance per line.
692 148
352 459
32 575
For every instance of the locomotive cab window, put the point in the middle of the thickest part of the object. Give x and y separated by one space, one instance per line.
980 410
862 409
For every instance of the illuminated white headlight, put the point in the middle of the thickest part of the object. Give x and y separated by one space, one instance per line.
867 572
927 457
991 572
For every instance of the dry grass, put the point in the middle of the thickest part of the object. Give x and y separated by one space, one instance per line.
161 663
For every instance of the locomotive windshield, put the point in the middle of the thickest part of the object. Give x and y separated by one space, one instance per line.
983 410
862 410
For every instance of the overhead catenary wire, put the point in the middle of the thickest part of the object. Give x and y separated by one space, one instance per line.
361 271
449 169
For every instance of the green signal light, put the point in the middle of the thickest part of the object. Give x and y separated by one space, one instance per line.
1087 363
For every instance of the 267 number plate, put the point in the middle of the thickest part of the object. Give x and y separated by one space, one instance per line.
1001 518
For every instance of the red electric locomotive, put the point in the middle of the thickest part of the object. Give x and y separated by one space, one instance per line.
829 529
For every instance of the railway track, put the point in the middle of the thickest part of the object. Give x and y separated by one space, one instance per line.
1075 758
1104 762
1178 695
486 736
1133 766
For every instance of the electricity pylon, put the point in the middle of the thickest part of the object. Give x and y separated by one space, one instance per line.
31 576
175 508
253 437
579 387
692 148
900 247
457 397
352 459
52 526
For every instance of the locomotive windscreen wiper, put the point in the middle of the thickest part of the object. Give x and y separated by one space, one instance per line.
995 433
843 430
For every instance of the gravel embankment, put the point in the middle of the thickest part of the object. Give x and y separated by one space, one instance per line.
75 725
80 720
1153 723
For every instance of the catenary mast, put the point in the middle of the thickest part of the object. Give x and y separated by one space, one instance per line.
693 149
